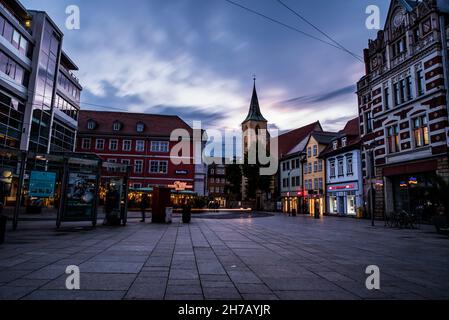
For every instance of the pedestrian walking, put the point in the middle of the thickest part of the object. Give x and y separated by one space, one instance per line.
143 206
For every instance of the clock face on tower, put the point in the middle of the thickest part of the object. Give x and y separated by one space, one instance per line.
398 18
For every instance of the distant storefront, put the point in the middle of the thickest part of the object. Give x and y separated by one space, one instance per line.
343 199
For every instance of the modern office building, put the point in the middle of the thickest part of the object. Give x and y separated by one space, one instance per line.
39 94
403 109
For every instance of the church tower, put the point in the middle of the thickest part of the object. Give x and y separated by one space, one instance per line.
251 126
254 121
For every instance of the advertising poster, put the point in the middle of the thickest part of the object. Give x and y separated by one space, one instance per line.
80 197
42 184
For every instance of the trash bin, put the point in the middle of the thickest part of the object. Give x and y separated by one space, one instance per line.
186 214
3 220
168 214
294 212
317 215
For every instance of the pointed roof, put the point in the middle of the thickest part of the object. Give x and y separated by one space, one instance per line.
289 140
254 113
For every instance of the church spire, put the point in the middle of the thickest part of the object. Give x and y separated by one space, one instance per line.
254 113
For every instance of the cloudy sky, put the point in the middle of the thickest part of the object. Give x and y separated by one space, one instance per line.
196 58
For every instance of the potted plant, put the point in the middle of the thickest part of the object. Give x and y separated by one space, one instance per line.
186 213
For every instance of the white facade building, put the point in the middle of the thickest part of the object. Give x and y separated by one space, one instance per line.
344 183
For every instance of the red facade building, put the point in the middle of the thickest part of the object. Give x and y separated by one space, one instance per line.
141 141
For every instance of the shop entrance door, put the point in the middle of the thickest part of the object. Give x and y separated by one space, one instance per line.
341 205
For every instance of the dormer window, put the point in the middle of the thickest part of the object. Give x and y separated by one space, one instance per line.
335 145
140 127
343 142
91 124
117 126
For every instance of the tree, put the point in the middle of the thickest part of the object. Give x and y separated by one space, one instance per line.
234 177
255 181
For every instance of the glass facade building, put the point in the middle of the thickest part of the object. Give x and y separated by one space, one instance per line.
39 95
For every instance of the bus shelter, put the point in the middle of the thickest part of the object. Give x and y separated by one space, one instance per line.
63 187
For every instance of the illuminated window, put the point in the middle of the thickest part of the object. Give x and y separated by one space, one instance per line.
420 131
393 139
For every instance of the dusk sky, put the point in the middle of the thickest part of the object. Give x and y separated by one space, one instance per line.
196 58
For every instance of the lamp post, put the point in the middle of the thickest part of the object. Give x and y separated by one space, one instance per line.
303 160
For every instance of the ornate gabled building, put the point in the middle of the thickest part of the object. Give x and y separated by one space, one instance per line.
403 109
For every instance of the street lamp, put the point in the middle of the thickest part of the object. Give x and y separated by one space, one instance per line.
303 160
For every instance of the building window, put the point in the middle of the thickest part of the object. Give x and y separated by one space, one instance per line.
137 185
140 127
420 131
85 143
112 169
408 88
398 47
140 145
297 163
393 139
315 166
396 95
315 184
293 164
420 82
126 163
138 166
117 126
158 166
340 168
159 146
309 152
386 97
343 142
126 145
310 167
113 144
315 150
402 90
320 165
91 125
349 166
335 145
99 144
369 122
320 184
332 169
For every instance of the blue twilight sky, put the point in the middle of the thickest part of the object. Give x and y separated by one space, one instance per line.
196 58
